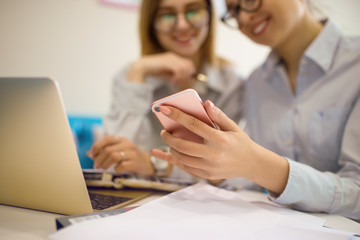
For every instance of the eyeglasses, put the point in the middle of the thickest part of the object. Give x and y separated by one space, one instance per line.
166 22
231 16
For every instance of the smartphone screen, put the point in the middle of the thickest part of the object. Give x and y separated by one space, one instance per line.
189 102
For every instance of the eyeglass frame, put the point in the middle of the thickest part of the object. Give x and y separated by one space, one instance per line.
207 8
238 8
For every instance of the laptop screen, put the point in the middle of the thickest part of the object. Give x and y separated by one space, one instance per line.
39 166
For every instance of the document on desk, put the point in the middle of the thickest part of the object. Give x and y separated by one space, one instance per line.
206 212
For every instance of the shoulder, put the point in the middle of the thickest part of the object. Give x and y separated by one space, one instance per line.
224 70
265 69
350 46
121 74
344 48
346 58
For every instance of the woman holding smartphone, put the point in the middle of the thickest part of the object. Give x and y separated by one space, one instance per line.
177 46
302 109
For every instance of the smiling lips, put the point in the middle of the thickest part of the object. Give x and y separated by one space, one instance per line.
260 28
183 40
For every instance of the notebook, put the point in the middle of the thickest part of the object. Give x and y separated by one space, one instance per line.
39 165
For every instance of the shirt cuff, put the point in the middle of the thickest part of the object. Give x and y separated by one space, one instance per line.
306 189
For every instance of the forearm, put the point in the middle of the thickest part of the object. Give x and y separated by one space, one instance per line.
136 73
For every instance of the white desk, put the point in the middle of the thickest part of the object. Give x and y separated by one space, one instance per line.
19 223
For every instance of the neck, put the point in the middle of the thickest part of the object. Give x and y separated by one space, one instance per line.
295 45
292 49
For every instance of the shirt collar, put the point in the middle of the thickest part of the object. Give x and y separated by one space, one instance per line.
322 50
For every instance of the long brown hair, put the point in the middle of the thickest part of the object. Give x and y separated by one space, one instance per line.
149 42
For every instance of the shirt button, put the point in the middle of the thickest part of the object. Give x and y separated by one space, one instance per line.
288 142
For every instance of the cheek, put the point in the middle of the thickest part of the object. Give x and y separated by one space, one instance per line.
164 41
203 33
289 23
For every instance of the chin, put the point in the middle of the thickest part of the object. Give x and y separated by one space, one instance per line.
185 54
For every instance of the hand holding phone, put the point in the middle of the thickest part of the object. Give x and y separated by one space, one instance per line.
189 102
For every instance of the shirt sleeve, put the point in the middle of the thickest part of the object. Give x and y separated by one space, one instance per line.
130 105
308 189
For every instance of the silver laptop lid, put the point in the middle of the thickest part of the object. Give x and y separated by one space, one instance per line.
39 166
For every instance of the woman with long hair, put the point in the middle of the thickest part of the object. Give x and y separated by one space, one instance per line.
177 52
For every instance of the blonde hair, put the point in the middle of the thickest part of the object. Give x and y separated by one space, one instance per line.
149 43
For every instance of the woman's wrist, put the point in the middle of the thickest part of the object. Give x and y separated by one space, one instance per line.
216 182
270 170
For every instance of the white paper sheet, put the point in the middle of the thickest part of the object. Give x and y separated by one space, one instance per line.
202 211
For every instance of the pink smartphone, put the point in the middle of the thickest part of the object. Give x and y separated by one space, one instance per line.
189 102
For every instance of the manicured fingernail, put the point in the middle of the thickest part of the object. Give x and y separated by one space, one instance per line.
162 132
211 104
165 110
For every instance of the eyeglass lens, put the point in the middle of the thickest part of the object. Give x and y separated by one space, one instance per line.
166 22
230 18
249 5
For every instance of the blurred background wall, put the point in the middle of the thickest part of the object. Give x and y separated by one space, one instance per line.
83 43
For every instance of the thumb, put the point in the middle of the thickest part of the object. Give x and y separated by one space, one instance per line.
220 118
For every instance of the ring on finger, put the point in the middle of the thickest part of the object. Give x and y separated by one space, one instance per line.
122 156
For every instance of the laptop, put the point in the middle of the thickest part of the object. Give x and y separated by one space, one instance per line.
39 165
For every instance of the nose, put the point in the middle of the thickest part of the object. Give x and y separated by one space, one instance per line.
182 23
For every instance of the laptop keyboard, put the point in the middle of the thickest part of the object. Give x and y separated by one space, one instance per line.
101 201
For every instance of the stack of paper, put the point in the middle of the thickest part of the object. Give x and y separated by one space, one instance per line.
202 211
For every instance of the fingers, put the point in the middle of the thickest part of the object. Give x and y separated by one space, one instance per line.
124 156
183 73
162 155
173 156
135 161
186 160
179 162
179 69
191 123
123 166
217 116
116 157
187 147
98 146
108 151
108 154
168 64
196 166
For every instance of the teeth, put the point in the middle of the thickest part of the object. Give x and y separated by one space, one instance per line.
183 39
259 28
